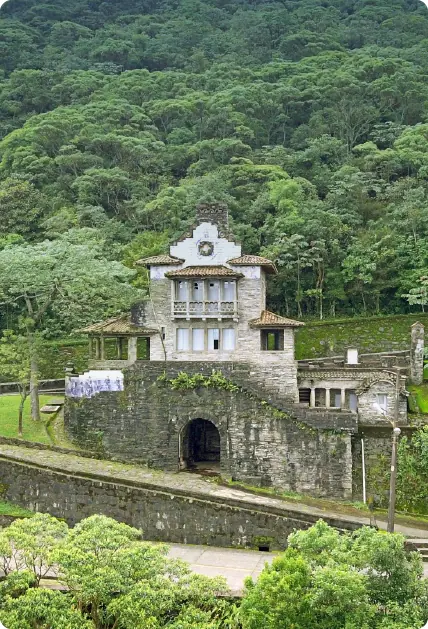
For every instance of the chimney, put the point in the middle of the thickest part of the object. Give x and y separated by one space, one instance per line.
214 213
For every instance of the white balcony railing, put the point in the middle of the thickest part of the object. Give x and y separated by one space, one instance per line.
205 309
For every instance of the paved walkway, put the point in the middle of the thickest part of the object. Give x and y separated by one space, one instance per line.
234 565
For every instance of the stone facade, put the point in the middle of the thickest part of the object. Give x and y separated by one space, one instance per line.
259 444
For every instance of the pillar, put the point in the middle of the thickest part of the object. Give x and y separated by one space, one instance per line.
417 353
102 348
327 398
342 398
312 398
132 349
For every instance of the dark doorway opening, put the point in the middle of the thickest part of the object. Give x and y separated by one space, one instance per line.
200 449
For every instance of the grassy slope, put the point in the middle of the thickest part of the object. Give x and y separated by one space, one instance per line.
33 431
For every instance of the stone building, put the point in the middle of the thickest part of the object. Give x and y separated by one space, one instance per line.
281 422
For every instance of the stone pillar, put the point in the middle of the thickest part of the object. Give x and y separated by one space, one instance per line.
327 398
312 398
102 348
132 349
417 353
342 398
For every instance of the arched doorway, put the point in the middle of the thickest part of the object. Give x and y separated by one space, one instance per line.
200 446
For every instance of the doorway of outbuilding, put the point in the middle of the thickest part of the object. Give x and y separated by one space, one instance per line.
200 447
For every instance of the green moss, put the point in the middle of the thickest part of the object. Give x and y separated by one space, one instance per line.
369 334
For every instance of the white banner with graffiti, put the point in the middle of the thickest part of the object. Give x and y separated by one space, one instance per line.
92 382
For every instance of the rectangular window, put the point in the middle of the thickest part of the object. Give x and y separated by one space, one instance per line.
198 340
213 290
229 291
382 402
304 396
181 290
197 291
183 344
228 339
353 401
213 339
272 340
335 398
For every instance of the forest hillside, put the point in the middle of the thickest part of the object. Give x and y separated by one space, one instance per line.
307 117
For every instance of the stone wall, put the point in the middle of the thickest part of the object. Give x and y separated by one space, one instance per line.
162 513
308 452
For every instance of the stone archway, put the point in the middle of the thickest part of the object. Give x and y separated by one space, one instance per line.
200 446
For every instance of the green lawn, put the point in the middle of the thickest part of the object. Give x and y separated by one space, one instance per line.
421 394
33 431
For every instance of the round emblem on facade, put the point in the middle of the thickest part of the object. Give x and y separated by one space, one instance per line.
206 248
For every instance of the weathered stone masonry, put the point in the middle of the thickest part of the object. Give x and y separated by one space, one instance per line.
73 489
259 445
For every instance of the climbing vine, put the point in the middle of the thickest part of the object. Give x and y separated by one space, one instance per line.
184 381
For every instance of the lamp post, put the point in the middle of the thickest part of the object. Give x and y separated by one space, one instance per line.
391 510
395 434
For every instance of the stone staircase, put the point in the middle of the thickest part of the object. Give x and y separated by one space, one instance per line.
420 545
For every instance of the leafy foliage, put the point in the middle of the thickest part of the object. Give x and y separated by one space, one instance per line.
326 579
307 119
185 381
114 579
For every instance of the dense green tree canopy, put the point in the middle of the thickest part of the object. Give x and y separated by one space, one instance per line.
307 117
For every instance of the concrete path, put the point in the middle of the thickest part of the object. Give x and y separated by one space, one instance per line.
234 565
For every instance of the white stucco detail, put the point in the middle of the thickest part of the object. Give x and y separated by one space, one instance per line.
250 272
188 249
158 272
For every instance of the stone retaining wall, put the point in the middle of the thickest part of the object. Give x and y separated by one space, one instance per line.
164 514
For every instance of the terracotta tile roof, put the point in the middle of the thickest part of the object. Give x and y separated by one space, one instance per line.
248 260
271 320
159 260
204 271
118 325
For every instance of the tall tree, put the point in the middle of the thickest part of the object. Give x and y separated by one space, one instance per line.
71 281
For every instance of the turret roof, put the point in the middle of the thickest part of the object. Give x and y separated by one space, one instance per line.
118 325
161 260
269 319
248 260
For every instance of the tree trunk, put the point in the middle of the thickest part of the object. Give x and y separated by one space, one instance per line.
34 379
20 413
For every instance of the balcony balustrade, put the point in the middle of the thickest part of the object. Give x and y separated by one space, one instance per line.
205 309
